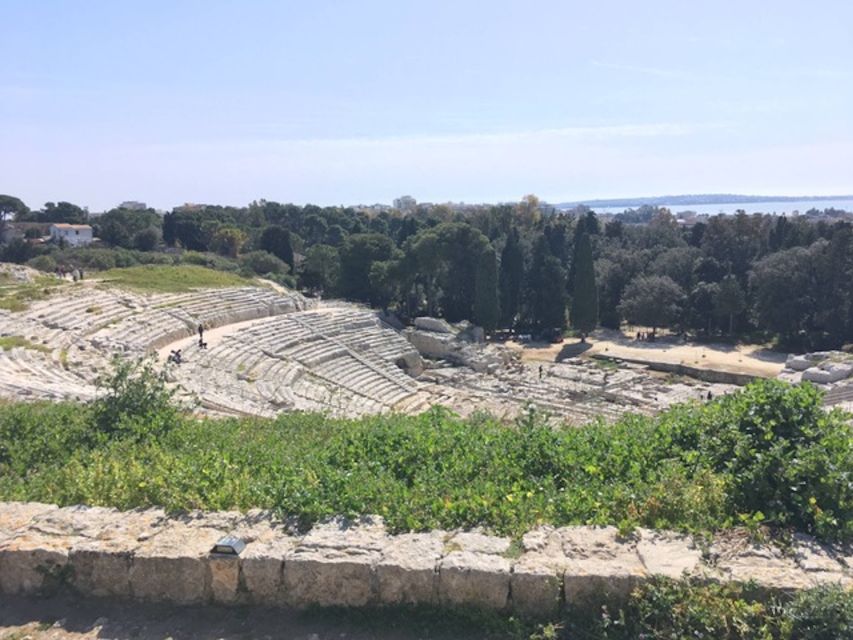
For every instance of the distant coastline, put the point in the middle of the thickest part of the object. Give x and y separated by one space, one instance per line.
695 199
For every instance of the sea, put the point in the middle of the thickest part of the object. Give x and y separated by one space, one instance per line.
789 207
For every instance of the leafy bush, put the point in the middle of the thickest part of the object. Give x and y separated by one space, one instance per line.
134 400
262 263
662 609
785 457
691 468
44 262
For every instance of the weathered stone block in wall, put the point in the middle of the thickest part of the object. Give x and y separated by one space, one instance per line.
14 515
172 566
536 585
475 579
598 563
262 562
475 571
407 571
35 557
329 577
669 554
769 567
101 565
32 563
334 564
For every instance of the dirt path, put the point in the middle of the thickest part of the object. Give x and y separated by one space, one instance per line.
211 336
65 618
754 360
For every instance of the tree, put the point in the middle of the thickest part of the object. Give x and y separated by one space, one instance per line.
783 292
321 268
486 304
546 289
511 278
652 301
729 300
121 227
228 241
358 254
276 240
10 206
263 263
584 314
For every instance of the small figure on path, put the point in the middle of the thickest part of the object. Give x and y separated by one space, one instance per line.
710 395
200 331
540 371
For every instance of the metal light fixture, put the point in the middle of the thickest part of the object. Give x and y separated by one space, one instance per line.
229 546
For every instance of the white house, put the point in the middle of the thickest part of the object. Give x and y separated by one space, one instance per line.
74 235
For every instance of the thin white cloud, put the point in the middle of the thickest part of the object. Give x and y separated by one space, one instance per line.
649 71
601 133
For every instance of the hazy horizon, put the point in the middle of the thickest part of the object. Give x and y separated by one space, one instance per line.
331 103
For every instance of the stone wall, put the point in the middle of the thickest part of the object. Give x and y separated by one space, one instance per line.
147 555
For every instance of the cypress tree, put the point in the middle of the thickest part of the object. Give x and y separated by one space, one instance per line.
511 277
584 314
486 305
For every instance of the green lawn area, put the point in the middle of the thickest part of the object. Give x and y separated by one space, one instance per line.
10 342
16 296
169 279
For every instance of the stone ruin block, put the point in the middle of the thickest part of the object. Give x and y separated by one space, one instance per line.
34 558
174 565
474 571
262 562
598 564
334 564
466 578
407 572
664 553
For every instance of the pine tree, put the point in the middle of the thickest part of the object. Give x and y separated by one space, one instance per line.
511 277
486 305
584 315
546 289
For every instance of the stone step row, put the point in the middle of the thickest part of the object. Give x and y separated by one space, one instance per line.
149 555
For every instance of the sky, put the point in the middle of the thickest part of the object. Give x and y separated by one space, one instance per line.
334 102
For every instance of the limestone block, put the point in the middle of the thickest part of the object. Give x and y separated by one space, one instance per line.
366 533
598 563
766 565
477 579
101 565
437 325
326 576
536 584
224 578
828 373
478 542
172 566
812 556
668 554
14 515
798 363
262 565
407 571
32 563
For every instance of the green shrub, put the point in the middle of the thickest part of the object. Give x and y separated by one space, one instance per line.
824 613
262 263
134 400
436 470
785 457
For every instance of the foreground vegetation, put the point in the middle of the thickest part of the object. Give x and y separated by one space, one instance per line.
170 279
769 455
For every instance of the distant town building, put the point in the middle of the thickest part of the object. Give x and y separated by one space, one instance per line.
133 205
405 203
74 235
